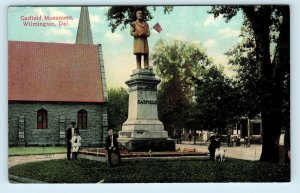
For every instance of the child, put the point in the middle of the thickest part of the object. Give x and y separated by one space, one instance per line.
76 143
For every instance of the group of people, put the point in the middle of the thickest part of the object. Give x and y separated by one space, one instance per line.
178 137
74 144
233 140
193 135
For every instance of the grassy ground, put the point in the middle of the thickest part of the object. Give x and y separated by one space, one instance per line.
35 150
86 171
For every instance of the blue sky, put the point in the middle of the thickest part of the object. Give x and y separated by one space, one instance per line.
186 23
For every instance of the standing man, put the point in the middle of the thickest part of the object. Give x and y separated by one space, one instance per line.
70 134
212 146
195 136
176 137
140 30
179 137
112 147
190 136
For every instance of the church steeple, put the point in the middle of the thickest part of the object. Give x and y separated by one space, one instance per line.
84 32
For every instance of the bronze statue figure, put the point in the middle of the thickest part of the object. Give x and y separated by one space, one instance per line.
140 30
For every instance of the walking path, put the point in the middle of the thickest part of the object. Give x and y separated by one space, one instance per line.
15 160
240 152
247 153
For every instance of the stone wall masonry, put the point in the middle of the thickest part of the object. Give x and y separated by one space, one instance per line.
92 136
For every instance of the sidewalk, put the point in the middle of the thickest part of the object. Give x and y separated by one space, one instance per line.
15 160
241 152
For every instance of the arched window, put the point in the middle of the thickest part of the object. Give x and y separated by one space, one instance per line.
42 119
82 119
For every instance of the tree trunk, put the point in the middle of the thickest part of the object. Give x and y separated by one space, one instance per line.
281 64
260 20
271 116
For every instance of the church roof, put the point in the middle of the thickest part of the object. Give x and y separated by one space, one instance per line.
54 72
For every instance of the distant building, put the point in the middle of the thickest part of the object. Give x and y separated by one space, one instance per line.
52 84
251 128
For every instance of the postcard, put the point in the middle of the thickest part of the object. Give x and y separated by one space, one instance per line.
149 94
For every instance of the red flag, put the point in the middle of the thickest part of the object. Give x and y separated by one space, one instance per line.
157 27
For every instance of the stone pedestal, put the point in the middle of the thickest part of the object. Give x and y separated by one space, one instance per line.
143 130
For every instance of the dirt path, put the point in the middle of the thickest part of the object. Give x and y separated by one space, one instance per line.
241 152
15 160
247 153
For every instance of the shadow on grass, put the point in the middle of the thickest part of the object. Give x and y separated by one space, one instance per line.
152 171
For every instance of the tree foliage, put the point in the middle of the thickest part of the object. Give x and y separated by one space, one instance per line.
180 60
124 15
194 93
173 104
249 76
217 101
177 63
117 110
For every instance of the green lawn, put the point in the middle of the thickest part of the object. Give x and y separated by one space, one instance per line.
86 171
35 150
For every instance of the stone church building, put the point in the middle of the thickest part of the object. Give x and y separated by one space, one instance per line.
53 84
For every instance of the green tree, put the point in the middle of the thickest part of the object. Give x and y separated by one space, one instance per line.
249 77
216 100
117 110
269 24
177 63
124 15
173 105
